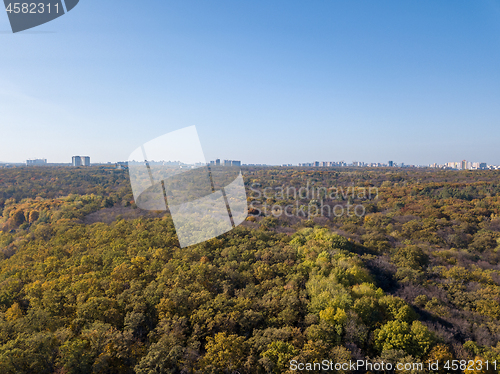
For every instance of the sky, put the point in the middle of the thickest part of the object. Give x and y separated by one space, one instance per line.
274 81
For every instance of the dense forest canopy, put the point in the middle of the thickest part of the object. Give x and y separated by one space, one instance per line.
89 283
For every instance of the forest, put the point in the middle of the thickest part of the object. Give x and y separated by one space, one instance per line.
89 283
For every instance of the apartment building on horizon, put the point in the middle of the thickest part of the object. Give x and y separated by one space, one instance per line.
465 165
225 163
36 162
80 161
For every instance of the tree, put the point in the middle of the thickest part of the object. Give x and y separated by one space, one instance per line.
279 353
415 339
225 353
442 354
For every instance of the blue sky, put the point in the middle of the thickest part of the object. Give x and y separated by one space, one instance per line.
264 81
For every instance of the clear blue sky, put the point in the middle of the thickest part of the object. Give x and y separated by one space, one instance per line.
264 81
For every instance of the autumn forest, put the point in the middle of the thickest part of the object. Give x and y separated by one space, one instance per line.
89 283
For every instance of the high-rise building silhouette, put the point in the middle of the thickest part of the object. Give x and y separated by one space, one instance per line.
81 161
36 162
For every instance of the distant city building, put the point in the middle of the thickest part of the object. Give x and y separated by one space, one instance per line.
479 165
36 162
225 163
80 161
324 164
463 165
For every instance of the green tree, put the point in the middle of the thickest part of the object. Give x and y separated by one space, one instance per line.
225 353
279 353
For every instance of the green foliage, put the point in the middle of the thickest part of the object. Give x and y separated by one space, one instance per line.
411 257
226 353
414 339
88 284
279 354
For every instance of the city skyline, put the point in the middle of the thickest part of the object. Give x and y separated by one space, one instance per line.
221 160
455 165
